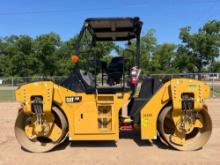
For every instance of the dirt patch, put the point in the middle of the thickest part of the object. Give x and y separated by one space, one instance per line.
128 150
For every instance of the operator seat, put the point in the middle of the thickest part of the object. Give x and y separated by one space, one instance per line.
115 70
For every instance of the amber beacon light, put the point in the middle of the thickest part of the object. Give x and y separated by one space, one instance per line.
74 59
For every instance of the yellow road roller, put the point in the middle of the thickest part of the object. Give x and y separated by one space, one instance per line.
99 99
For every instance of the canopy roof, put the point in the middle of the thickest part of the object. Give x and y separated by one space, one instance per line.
114 29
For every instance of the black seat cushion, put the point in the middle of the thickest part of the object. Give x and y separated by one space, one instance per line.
115 70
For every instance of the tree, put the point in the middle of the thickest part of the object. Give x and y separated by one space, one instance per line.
215 67
1 57
48 55
1 66
148 43
89 54
45 47
201 47
17 58
163 58
64 64
184 61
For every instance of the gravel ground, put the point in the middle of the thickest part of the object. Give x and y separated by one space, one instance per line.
128 150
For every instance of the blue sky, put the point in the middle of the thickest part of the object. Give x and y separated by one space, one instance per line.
65 17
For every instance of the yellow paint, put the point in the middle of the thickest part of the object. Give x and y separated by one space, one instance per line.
45 89
178 138
171 92
83 117
55 132
48 129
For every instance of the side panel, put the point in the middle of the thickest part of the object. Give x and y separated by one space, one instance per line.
84 117
171 92
43 89
150 112
198 88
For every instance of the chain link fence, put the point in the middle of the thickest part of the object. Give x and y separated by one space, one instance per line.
8 85
212 79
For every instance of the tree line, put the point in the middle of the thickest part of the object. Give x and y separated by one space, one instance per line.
47 55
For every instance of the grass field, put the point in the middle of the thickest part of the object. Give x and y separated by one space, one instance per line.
217 92
7 95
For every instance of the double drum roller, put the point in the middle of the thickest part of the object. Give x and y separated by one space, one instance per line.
99 102
184 136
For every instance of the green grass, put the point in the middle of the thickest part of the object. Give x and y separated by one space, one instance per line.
217 91
7 95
